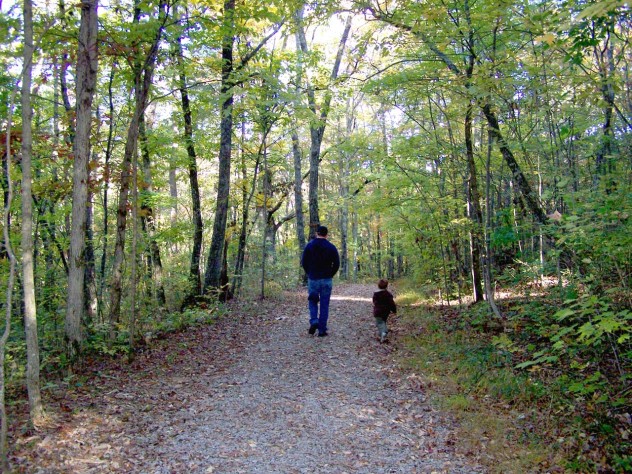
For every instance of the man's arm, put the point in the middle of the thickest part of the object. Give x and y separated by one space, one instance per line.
304 259
336 261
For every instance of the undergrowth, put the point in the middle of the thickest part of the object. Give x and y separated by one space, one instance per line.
524 404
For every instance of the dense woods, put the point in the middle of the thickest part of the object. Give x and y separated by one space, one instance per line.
161 157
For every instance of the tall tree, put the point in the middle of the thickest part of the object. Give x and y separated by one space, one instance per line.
149 220
143 76
400 20
214 262
87 64
28 281
230 71
319 120
196 207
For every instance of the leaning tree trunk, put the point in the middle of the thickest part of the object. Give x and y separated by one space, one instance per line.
87 63
531 198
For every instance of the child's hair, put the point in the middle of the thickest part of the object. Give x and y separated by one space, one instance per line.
382 284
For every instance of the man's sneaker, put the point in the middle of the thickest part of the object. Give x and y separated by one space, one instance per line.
312 328
383 337
322 334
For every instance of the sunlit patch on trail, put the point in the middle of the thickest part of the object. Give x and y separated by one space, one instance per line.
350 298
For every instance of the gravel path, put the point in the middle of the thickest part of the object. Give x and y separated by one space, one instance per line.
259 395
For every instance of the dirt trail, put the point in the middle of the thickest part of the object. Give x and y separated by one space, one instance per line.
255 394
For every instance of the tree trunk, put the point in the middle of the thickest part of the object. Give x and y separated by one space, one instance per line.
605 61
90 288
214 263
143 76
148 216
194 266
487 261
474 209
106 181
529 196
133 256
267 184
319 122
247 199
298 199
87 64
8 304
356 245
173 194
28 279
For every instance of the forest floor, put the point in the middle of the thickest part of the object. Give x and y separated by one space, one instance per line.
252 393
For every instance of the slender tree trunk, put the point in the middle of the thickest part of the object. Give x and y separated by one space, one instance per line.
487 262
87 63
142 82
106 182
298 160
267 183
605 60
8 304
90 288
247 199
148 215
133 256
214 263
391 259
317 127
356 244
28 279
298 198
194 266
173 194
474 208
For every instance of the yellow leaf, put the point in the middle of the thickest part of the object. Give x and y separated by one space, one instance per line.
548 38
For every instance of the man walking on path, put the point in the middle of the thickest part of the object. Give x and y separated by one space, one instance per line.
321 261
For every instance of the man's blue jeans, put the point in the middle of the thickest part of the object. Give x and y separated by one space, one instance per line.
319 291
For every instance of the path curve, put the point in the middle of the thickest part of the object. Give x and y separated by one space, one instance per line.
257 394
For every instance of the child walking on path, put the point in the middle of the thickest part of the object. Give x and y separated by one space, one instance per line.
383 305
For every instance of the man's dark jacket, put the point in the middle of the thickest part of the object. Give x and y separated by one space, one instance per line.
320 259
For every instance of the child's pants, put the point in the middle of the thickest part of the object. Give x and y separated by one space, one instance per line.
381 325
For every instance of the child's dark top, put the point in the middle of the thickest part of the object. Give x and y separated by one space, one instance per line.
383 304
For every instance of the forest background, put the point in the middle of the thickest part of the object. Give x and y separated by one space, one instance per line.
161 157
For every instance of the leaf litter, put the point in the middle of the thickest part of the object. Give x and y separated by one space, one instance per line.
253 393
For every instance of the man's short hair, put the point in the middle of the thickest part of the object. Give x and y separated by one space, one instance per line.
322 230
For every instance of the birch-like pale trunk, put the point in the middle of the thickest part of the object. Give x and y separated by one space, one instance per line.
28 280
87 63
